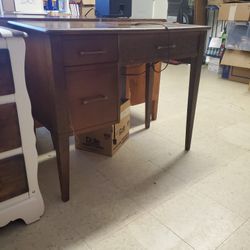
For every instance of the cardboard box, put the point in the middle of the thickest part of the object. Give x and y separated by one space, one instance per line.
88 2
234 12
232 1
88 12
108 140
240 65
215 2
236 58
239 75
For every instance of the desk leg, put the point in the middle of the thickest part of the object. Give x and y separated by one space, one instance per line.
61 144
148 94
194 81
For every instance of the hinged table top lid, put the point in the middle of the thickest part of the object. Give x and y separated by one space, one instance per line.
101 26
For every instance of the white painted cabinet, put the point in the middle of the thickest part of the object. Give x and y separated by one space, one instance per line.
20 197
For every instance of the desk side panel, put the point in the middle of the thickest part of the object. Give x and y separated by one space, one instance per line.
39 78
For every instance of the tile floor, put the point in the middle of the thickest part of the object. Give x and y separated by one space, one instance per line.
152 194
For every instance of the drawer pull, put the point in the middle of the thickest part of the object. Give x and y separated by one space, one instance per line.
98 98
92 53
173 46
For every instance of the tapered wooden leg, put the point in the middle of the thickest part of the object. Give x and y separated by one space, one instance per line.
61 144
196 64
154 109
148 94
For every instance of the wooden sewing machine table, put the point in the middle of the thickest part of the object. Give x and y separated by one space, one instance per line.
75 72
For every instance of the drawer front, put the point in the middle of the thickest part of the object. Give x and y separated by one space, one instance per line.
13 179
6 78
183 45
9 128
90 49
93 93
156 47
138 48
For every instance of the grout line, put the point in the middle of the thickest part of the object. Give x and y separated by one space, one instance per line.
222 205
172 231
211 198
171 195
88 246
231 234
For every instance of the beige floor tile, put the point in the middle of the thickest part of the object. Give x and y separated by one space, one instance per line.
81 170
96 207
146 144
210 118
189 167
238 134
207 144
155 190
143 233
200 221
230 186
97 219
51 232
140 179
128 170
207 154
110 197
128 174
220 90
239 240
218 149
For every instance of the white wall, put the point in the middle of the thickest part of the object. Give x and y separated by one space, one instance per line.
160 9
149 8
8 5
1 7
142 8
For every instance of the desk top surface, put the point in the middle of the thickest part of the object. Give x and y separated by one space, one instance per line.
18 17
38 17
102 26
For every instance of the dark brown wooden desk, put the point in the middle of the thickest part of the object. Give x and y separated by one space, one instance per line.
75 72
4 18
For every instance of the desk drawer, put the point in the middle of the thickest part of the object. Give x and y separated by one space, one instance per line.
156 47
9 128
90 49
13 179
139 48
183 45
6 78
93 94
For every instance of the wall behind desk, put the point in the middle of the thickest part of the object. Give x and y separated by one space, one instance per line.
8 5
149 9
